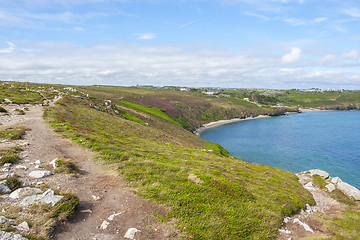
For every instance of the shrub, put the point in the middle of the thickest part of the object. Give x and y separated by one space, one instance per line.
9 155
66 207
13 183
66 166
12 132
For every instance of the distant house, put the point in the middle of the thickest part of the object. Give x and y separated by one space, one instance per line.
211 92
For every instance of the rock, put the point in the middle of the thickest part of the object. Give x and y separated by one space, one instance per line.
104 224
96 198
335 180
349 190
22 192
282 230
7 100
11 236
319 172
23 226
38 162
6 175
47 197
4 187
130 233
286 220
53 163
308 208
111 217
6 220
7 164
40 174
21 167
330 187
309 186
307 228
86 211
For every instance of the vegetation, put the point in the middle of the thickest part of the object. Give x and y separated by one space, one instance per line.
13 182
12 132
66 166
233 199
9 155
3 110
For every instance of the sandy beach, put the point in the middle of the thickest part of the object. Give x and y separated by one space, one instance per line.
223 122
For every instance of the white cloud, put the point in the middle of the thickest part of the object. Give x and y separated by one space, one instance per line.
293 56
146 36
320 19
10 49
352 54
79 29
330 58
252 14
353 12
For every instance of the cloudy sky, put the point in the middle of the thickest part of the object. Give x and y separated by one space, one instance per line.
215 43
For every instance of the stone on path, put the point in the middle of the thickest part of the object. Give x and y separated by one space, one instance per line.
111 217
131 233
53 163
104 224
96 198
22 192
319 172
307 228
47 197
40 174
4 187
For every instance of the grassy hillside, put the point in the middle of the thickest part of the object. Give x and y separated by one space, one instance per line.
211 195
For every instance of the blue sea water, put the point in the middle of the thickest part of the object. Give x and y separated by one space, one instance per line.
327 140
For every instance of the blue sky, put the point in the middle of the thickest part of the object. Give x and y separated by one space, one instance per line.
220 43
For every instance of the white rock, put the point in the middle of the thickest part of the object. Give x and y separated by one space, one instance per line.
22 192
307 228
282 230
47 197
130 233
24 226
53 163
111 217
4 187
11 236
104 224
37 162
86 211
6 175
319 172
286 220
330 187
308 208
96 198
309 186
21 167
349 190
6 220
335 180
7 164
40 174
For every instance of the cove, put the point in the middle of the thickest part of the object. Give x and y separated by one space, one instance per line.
327 140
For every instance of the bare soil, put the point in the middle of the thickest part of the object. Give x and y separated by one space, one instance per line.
41 143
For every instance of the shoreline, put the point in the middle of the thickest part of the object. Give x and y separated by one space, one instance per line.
224 122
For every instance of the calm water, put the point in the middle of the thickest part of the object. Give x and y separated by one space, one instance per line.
327 140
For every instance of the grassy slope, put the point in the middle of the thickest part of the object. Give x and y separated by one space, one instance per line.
187 108
236 199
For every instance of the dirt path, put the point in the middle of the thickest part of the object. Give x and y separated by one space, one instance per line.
304 224
41 143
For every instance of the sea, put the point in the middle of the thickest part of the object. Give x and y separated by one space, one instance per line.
326 140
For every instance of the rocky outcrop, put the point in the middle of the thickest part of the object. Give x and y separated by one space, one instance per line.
11 236
319 172
4 187
348 190
23 192
39 174
47 197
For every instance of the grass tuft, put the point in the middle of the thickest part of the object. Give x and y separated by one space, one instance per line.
12 132
66 166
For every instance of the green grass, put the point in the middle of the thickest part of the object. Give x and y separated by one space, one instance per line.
9 155
13 182
236 199
66 166
13 132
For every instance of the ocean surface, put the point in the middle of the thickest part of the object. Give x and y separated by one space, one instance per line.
327 140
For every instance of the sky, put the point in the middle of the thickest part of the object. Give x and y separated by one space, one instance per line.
277 44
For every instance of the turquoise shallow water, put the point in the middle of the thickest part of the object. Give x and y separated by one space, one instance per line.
327 140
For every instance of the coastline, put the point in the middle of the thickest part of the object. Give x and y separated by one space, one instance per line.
224 122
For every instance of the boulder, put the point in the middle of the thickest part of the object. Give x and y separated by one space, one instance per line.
47 197
130 233
39 174
6 220
23 192
319 172
335 180
309 186
4 187
349 190
330 187
24 226
6 175
11 236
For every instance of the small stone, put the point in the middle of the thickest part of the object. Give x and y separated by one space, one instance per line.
309 186
40 174
111 217
335 180
7 165
4 187
24 226
6 220
104 224
38 162
286 220
130 233
47 197
308 208
22 192
53 163
330 187
96 198
6 175
307 228
21 167
86 211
